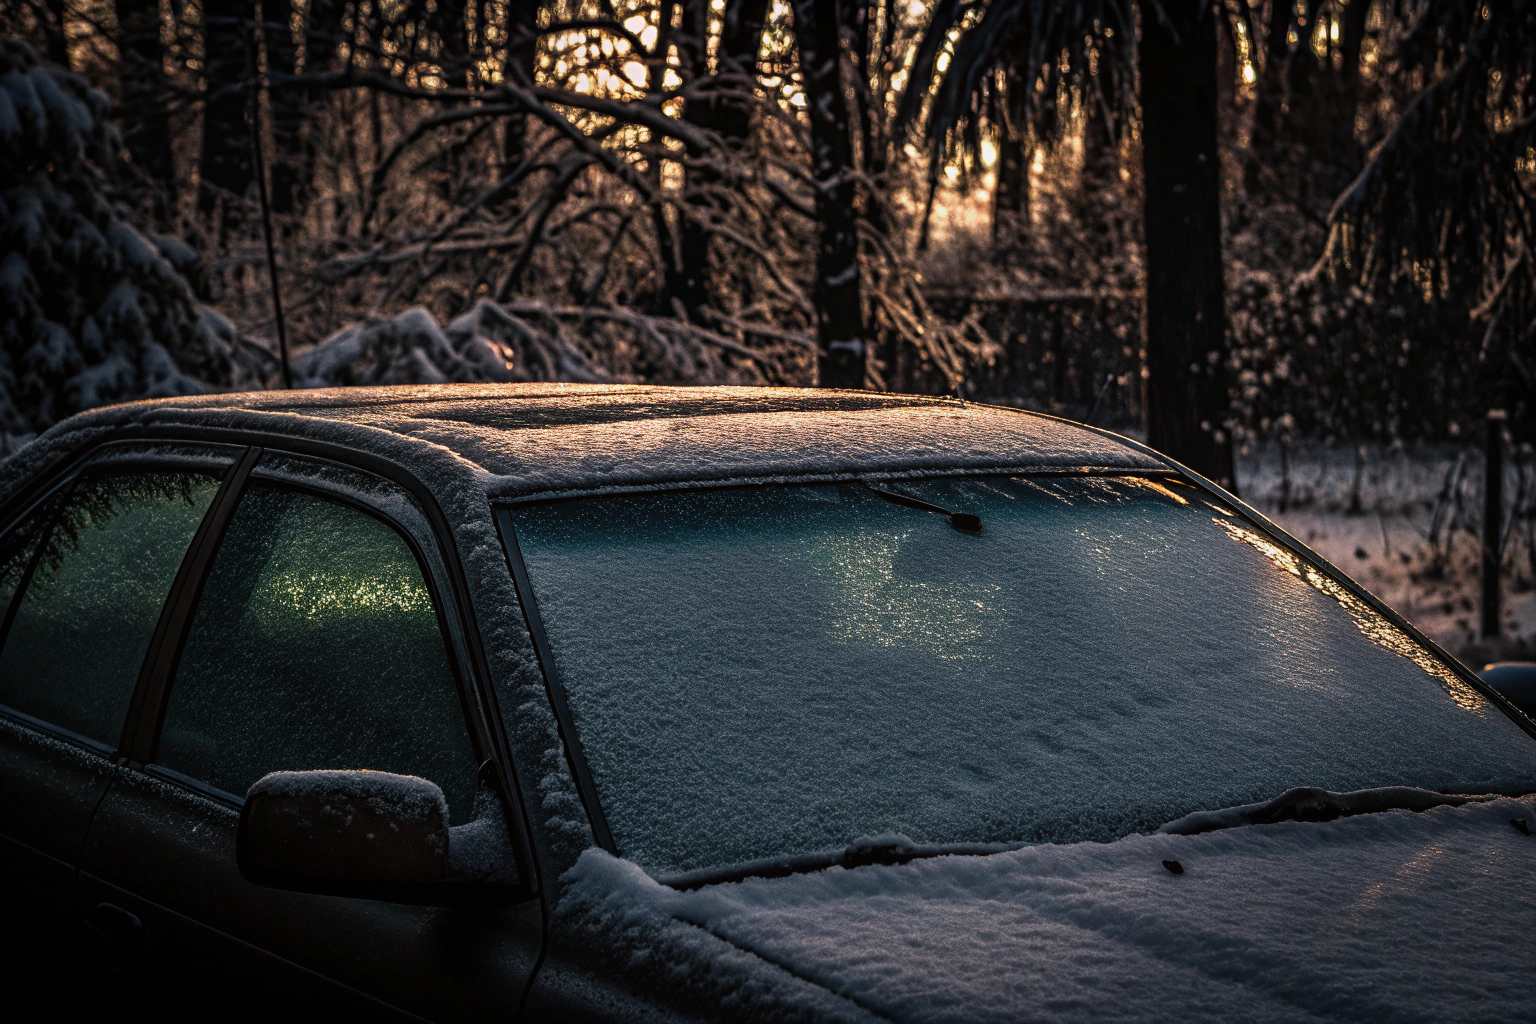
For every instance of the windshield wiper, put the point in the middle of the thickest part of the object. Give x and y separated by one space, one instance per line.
1303 803
884 849
1308 803
963 521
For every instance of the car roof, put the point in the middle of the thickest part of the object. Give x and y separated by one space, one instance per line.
544 440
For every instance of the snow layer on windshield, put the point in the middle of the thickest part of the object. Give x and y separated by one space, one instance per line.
1385 917
758 673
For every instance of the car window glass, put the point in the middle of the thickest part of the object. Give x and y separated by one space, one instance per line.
82 625
18 547
315 645
765 671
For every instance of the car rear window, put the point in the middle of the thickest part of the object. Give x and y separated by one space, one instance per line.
759 672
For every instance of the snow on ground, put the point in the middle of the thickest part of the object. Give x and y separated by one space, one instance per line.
1394 916
1406 522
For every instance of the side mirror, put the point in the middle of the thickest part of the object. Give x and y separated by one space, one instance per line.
371 835
1515 681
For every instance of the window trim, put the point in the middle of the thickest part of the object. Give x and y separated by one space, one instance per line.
141 726
36 724
575 753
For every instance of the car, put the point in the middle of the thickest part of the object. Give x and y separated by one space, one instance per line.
613 702
1515 681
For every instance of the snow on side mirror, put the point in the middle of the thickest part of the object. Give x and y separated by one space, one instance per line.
359 833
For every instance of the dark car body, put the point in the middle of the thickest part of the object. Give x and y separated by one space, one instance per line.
118 840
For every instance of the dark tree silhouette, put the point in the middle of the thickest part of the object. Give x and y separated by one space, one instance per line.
142 113
725 111
1187 401
841 361
91 311
1053 40
1444 205
225 164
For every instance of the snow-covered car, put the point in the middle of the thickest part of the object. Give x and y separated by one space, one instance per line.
618 703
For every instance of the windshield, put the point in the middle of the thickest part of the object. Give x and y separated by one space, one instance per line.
771 671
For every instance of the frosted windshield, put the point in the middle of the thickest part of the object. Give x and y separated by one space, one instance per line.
780 670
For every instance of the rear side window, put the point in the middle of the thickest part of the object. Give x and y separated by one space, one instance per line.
87 576
315 645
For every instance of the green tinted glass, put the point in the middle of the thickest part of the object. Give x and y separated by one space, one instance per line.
315 645
84 622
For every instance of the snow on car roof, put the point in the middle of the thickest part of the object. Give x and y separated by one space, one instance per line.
547 439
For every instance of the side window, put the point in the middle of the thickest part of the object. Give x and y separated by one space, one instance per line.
315 644
86 577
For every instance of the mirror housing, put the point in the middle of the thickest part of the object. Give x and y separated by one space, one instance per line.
1515 681
358 833
374 835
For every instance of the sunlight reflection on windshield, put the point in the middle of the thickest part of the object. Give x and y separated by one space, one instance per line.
878 605
1371 624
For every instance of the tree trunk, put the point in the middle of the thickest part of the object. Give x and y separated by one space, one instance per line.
1010 204
1187 399
522 48
323 33
692 285
51 22
447 22
1270 94
839 319
730 119
226 155
1356 13
142 110
290 161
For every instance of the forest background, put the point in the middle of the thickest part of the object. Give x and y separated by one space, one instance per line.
1288 242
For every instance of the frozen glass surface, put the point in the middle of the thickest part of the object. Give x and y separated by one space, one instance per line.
84 622
766 671
315 645
18 547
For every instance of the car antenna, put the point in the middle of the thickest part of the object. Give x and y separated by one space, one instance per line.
266 207
965 522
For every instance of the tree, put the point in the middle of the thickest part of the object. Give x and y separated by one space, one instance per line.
522 28
1090 50
1444 206
841 359
91 311
291 163
144 96
725 111
225 164
1187 400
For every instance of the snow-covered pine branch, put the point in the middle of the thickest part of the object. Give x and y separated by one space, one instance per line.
91 310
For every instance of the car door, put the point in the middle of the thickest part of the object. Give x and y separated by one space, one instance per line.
317 639
84 573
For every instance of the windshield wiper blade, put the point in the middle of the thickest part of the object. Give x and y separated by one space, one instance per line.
885 849
962 521
1308 803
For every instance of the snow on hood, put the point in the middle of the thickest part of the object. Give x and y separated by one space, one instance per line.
533 439
1394 916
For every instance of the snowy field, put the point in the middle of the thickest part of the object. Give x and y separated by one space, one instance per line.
1406 522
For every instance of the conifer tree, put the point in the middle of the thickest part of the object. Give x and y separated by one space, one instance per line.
91 311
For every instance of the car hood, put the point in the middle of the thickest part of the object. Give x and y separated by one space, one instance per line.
1390 916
